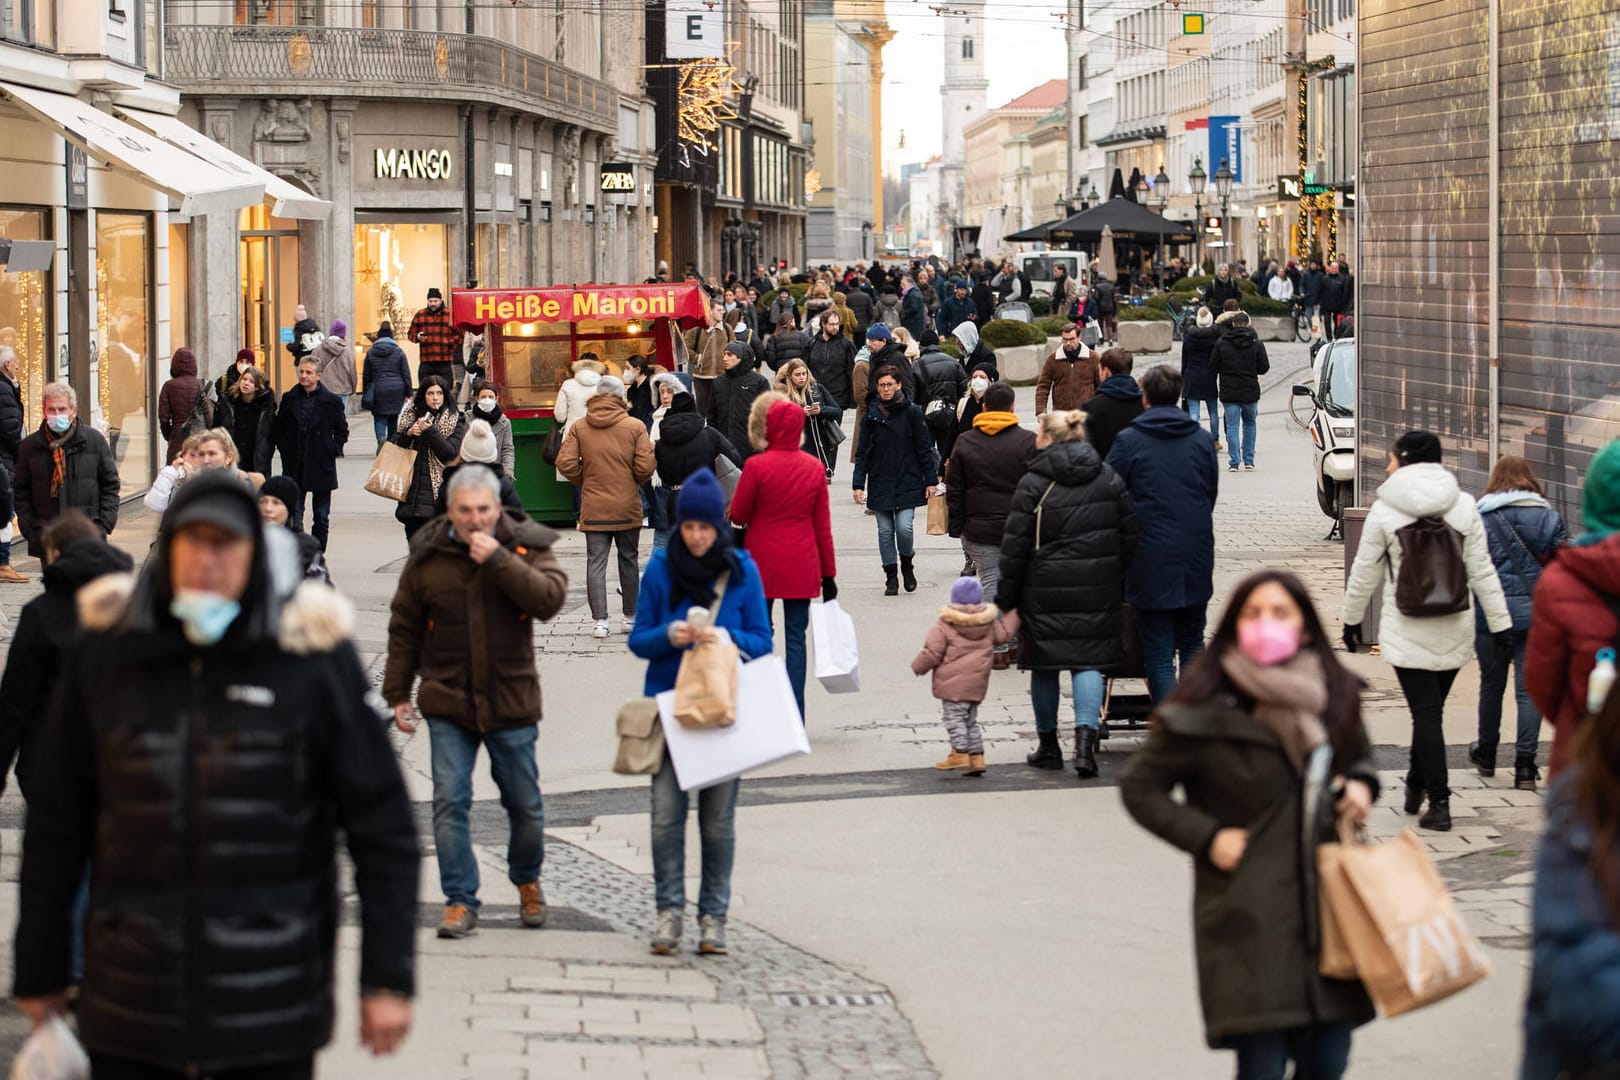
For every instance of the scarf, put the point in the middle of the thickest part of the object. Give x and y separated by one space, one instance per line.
896 404
993 423
445 418
694 576
57 445
1288 698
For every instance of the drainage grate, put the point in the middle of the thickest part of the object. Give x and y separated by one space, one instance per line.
834 1001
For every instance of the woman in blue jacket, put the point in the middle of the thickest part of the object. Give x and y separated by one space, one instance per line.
1523 532
686 574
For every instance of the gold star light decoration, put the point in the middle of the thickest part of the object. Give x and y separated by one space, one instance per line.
704 94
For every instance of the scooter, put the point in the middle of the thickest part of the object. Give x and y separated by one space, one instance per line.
1332 424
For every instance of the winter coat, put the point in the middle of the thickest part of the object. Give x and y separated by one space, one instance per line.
984 302
819 439
1067 382
785 345
743 612
1220 290
782 501
250 424
1111 410
733 399
575 393
860 305
47 629
1570 621
1238 360
940 377
609 457
309 431
11 423
888 310
1197 377
784 304
954 312
914 312
1168 464
468 629
891 355
1256 928
1572 1017
435 448
832 362
958 650
1434 642
980 478
207 787
90 483
1310 286
894 462
1334 294
305 336
706 347
336 362
686 444
387 376
1523 532
1063 571
176 400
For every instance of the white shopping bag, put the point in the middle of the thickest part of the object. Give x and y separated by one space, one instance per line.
838 657
768 729
51 1053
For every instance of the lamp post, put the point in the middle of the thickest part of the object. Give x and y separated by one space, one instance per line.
1196 179
1161 196
1223 188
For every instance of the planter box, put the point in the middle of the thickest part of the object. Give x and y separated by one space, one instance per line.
1145 337
1273 327
1020 363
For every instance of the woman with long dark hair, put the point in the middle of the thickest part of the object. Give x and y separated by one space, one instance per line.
895 459
1264 737
433 427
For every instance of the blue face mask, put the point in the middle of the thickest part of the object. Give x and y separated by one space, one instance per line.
204 616
59 423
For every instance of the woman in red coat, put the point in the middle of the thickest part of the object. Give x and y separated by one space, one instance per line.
782 501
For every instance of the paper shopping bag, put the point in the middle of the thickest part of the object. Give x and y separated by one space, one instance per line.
838 657
391 473
768 729
1409 945
706 685
938 517
1333 893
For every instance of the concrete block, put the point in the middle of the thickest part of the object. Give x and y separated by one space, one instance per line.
1020 363
1273 327
1145 337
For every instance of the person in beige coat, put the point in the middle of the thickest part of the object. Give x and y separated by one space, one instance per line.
609 456
958 651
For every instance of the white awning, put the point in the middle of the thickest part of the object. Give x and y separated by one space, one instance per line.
196 185
286 200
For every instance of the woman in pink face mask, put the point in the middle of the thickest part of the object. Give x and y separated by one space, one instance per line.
1264 737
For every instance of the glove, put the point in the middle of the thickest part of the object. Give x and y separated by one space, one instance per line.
1352 636
1504 641
829 590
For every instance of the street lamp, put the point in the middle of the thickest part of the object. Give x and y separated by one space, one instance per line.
1223 188
1196 179
1161 196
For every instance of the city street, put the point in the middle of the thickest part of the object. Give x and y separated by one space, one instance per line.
887 920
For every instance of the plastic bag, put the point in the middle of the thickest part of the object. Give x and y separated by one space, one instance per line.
51 1053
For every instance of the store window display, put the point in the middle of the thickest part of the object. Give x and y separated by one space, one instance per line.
25 311
395 264
120 370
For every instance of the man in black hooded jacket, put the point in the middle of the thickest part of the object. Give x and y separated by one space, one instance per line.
1117 402
734 394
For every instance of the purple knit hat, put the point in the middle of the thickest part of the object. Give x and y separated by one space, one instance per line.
339 329
967 592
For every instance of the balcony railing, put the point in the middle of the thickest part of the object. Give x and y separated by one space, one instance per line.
297 59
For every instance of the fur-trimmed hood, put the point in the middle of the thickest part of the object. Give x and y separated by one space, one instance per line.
775 423
589 372
969 614
315 619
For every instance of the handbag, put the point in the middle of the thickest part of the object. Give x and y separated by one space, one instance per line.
641 738
392 472
728 473
368 399
552 446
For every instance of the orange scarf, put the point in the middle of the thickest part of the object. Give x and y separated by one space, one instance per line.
992 423
58 457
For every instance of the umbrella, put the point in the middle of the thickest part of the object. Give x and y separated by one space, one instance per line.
1131 223
1105 255
990 238
1034 235
1116 189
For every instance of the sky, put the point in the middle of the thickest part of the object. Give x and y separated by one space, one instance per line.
1024 49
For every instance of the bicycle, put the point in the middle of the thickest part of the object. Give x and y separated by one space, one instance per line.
1302 321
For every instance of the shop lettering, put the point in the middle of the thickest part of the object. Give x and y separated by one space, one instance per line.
591 305
586 305
401 163
531 306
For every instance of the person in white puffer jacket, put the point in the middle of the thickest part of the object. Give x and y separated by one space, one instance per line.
575 392
1426 651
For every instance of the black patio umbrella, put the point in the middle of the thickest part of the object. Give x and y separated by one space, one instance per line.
1130 221
1035 234
1116 189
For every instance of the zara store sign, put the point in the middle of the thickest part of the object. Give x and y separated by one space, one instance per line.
399 163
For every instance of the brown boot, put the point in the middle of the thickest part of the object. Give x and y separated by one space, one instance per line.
10 575
975 765
955 761
1000 661
532 905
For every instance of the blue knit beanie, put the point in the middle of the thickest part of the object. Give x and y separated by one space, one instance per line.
701 499
878 332
967 592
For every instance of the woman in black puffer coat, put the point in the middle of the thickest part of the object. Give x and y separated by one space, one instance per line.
1197 377
686 444
248 411
895 472
1071 535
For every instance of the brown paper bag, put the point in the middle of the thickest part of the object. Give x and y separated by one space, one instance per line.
1410 947
1333 888
706 685
938 516
391 473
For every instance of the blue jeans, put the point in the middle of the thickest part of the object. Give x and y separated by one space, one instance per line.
717 828
1319 1052
894 527
1087 687
1195 406
321 503
661 539
796 617
1165 633
385 427
1248 414
512 765
1493 676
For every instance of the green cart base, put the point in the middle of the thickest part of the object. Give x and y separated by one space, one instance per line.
547 497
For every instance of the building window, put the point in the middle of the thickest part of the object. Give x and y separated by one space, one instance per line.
1080 74
967 48
32 22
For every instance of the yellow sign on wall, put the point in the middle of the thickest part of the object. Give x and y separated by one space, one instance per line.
1191 23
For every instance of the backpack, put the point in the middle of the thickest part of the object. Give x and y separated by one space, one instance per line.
1433 579
1107 302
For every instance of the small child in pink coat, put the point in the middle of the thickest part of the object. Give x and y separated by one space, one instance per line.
958 651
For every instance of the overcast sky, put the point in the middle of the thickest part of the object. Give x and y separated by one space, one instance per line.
1024 49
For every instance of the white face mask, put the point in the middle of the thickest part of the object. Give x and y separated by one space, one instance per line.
486 404
980 385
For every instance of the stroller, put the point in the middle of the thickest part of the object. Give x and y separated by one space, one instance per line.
1127 710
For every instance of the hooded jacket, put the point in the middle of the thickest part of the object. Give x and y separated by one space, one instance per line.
940 377
894 459
1067 382
609 456
576 392
785 345
1238 360
336 362
1063 565
980 477
734 394
1523 532
958 650
387 376
1571 619
1197 377
1117 402
176 401
686 443
781 501
1168 464
90 482
1435 642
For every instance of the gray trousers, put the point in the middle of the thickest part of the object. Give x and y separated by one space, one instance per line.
987 560
596 560
962 725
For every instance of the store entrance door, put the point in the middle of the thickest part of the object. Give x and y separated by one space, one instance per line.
269 288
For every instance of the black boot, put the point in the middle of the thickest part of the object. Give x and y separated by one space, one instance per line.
1525 773
1085 752
1438 816
1414 797
1483 757
1048 755
891 580
907 573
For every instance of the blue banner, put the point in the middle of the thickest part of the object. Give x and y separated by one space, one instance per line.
1226 141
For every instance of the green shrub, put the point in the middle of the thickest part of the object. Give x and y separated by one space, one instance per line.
1145 313
1007 333
1040 305
1195 283
950 347
1261 305
1159 300
1052 325
1247 287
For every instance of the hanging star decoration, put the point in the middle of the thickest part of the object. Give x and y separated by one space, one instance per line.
705 94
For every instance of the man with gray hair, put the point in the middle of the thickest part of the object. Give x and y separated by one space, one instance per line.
11 435
65 465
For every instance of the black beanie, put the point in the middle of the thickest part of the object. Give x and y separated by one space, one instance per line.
284 488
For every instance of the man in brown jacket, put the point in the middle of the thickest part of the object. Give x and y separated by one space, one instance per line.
706 347
1070 375
609 457
463 619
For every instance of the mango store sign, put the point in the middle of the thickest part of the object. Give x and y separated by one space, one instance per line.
399 163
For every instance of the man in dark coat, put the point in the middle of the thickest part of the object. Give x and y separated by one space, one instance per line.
212 738
913 308
1116 403
1335 299
957 308
1238 360
860 304
984 301
309 432
941 383
1168 463
64 465
1198 385
11 436
831 359
734 394
1222 288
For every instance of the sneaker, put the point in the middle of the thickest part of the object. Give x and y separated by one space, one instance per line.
1231 468
667 937
713 939
459 921
602 630
627 624
969 570
9 574
532 905
1248 468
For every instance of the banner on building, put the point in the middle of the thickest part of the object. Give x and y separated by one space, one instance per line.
694 30
1226 144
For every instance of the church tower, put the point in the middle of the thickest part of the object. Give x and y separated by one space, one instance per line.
965 89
